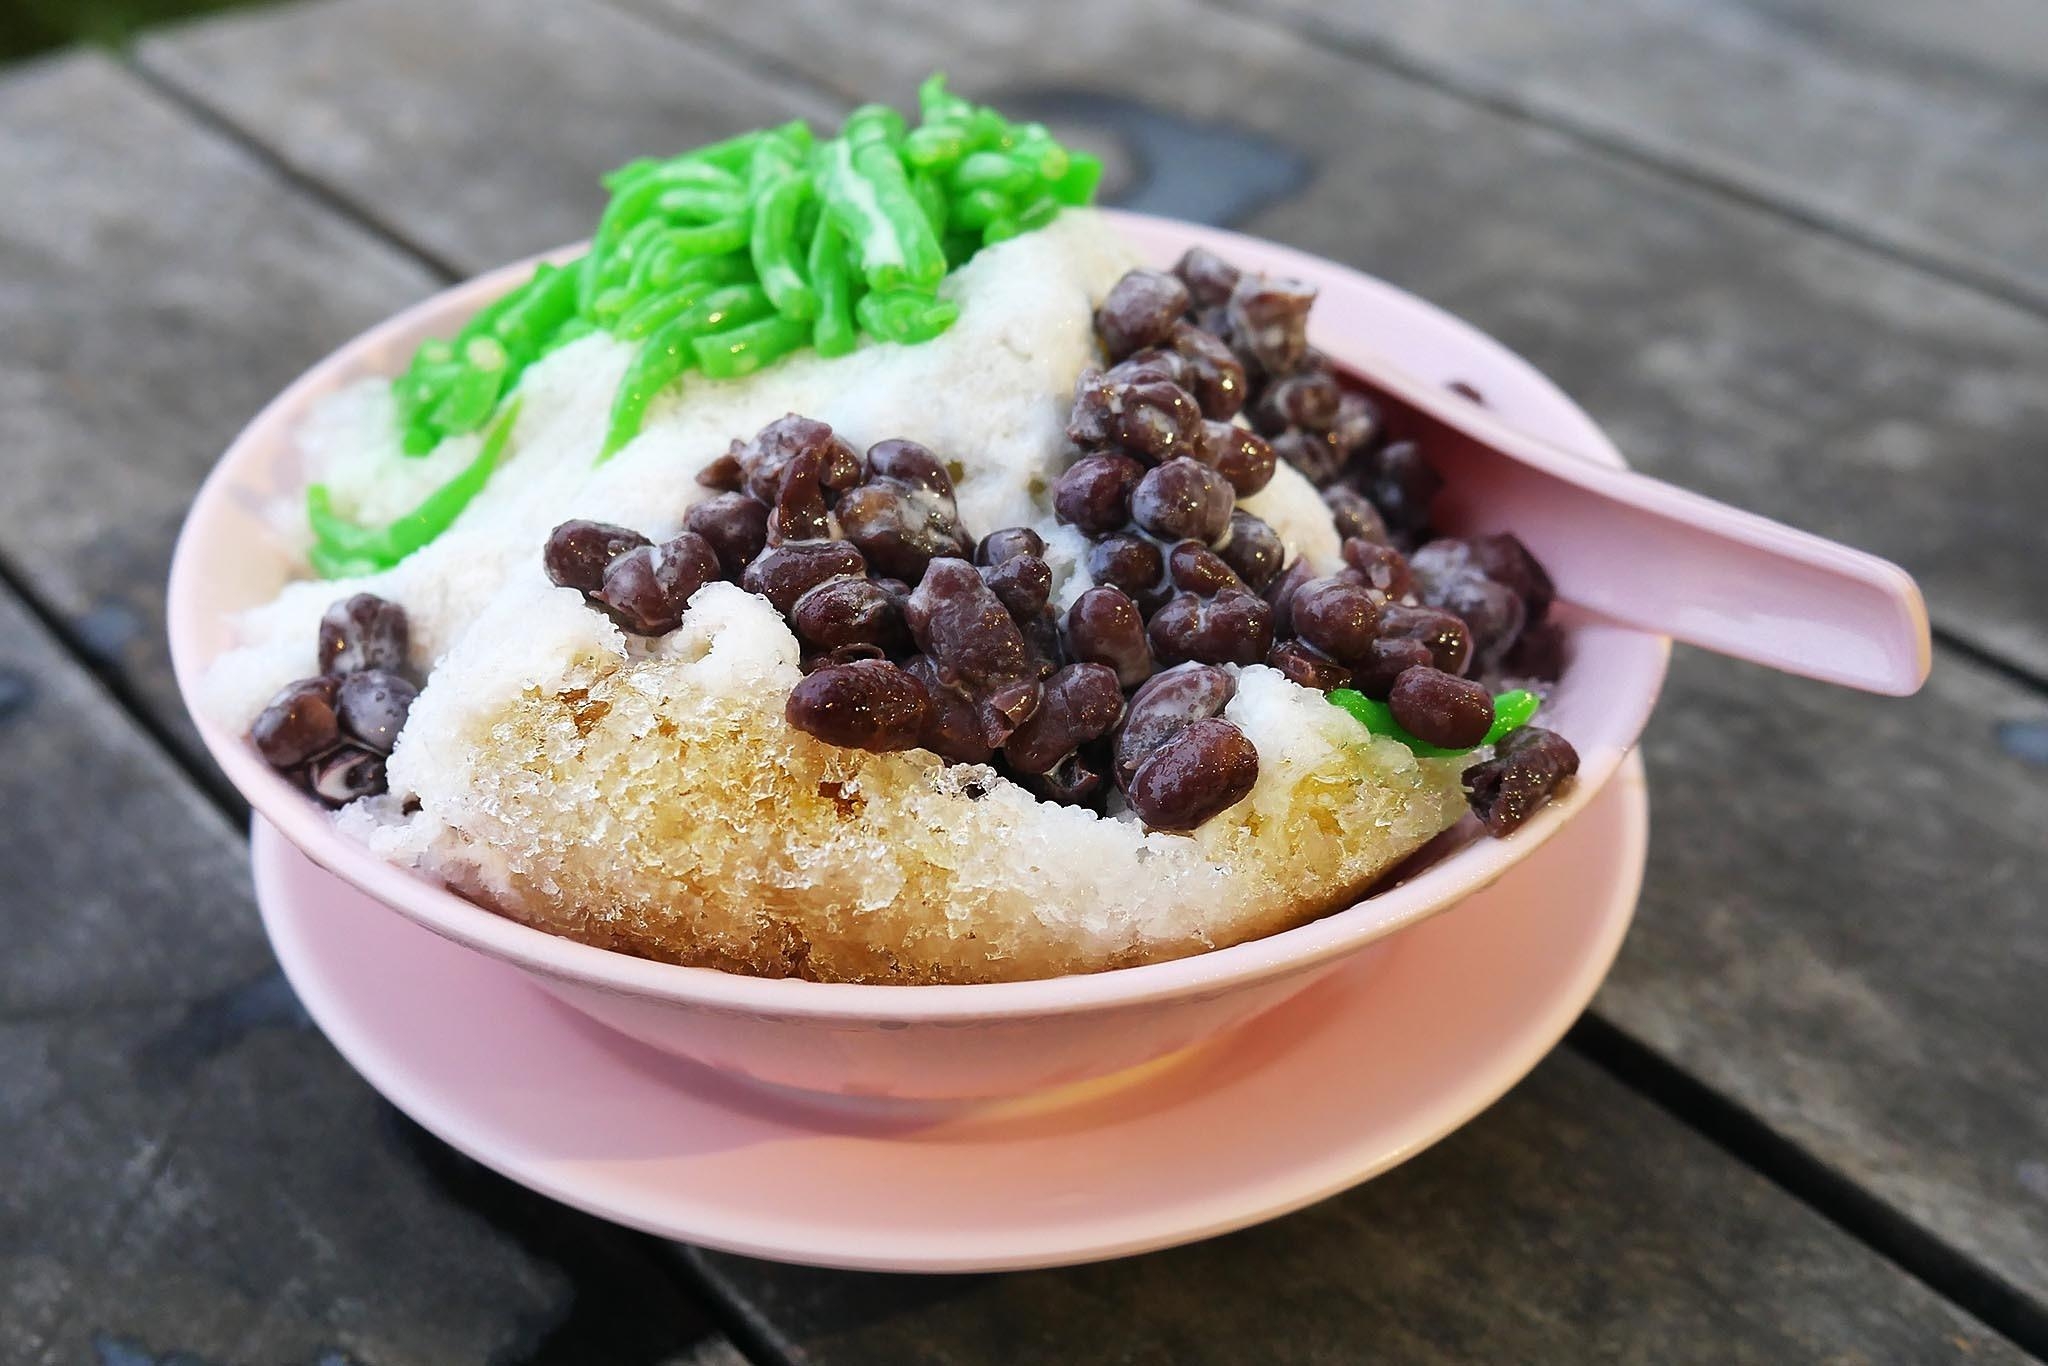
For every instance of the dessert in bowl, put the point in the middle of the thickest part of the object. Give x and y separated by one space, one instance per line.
926 714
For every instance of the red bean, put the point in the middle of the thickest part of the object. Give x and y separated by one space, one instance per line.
1132 562
1254 550
1021 583
900 527
1140 310
1387 660
1233 627
1308 666
372 705
1441 709
1210 371
1504 559
1402 485
907 462
835 465
787 572
736 525
1181 500
1104 627
1166 704
1313 453
1379 566
364 632
1136 409
1354 515
1081 702
998 546
1340 619
647 589
871 705
1201 772
952 726
1528 768
1240 455
348 773
849 611
1357 427
1269 321
1195 568
1279 595
1209 277
1443 634
1094 493
1073 781
1307 399
964 627
300 723
725 473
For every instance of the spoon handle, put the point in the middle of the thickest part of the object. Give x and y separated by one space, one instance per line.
1650 555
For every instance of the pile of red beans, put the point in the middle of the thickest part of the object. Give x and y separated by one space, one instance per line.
330 733
915 635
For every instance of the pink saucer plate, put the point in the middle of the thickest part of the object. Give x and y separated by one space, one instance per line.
1352 1076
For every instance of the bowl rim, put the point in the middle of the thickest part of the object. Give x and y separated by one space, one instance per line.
455 917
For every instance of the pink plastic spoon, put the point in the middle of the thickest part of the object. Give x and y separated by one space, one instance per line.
1646 554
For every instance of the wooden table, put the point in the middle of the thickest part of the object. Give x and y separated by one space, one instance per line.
1791 254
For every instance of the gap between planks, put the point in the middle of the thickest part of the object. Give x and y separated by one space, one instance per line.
1384 57
1732 1128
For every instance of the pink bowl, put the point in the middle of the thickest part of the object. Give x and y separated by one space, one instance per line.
905 1041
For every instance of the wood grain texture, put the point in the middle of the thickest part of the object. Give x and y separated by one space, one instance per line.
1571 1223
1695 328
160 286
1909 126
165 921
189 1166
1723 347
1845 927
477 129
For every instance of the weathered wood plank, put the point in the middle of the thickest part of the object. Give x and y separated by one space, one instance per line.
189 1166
480 130
159 287
1724 347
1914 128
1571 1223
1705 331
166 919
1845 926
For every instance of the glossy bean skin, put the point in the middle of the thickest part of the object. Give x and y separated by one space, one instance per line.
301 722
1140 310
1094 493
1304 664
647 589
364 631
786 572
371 705
1168 702
870 704
1206 768
1081 702
1339 619
1253 551
1232 627
1441 709
1183 499
736 525
1528 768
1105 627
